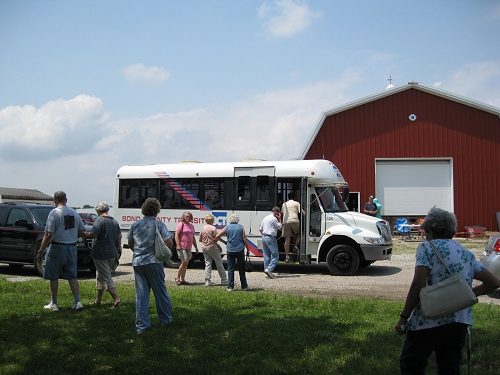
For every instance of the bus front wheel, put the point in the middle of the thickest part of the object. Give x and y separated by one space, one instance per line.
342 260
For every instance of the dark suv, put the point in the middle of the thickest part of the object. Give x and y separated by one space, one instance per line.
21 230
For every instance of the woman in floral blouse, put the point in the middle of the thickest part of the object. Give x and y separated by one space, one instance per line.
445 335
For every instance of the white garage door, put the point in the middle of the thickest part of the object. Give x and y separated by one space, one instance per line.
410 187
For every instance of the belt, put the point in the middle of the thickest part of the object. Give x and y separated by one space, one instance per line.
268 235
66 244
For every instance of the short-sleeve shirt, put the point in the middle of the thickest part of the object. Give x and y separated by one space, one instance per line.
270 225
370 207
64 223
459 260
207 234
186 235
290 211
107 230
143 232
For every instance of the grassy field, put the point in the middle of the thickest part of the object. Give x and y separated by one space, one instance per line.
214 332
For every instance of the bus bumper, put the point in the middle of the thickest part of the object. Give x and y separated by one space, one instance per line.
377 252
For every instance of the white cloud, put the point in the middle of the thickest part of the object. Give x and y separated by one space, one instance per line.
287 17
437 84
477 81
60 126
87 148
272 125
142 73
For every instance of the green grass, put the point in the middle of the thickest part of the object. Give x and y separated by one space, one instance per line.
214 332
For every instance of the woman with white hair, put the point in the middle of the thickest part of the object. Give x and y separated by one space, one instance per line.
445 336
211 251
106 249
236 244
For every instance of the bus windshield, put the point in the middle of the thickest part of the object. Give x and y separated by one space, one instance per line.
330 199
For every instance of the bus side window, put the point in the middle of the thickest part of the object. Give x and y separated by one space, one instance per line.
149 189
263 190
129 193
244 188
214 193
166 195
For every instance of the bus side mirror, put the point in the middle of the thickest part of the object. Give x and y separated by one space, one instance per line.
345 194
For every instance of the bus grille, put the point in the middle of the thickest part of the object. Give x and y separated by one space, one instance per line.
384 230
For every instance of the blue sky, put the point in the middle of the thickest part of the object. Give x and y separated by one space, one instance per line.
89 86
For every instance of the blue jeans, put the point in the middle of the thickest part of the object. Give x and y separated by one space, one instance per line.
236 259
271 252
447 341
147 277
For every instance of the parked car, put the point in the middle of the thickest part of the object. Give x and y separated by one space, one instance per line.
491 256
88 218
21 231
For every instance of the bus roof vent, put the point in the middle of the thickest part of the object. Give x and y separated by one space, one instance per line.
250 160
189 161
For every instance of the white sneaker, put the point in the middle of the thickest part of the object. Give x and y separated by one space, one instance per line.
229 289
78 306
51 306
269 274
296 249
287 260
209 283
223 282
246 289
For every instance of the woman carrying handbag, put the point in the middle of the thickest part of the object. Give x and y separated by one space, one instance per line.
446 335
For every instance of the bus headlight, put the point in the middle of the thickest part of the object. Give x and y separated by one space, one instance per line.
374 240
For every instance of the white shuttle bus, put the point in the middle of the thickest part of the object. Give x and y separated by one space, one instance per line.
329 232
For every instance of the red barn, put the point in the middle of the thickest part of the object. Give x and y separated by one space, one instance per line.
413 147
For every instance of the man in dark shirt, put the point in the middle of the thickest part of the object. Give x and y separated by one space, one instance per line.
370 207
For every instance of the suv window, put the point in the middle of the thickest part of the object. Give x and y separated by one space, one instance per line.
41 214
3 213
17 214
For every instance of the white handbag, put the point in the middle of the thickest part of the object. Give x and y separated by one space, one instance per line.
162 252
448 296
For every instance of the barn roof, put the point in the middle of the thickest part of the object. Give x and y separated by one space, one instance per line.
14 193
387 92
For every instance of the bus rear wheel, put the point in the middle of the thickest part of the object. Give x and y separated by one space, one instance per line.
342 260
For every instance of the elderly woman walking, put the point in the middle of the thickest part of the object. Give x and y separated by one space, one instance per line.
148 271
445 336
211 251
106 249
236 244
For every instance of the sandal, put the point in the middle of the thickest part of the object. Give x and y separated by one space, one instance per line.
118 304
184 282
178 281
95 303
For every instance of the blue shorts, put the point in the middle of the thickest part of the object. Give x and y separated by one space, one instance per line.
60 262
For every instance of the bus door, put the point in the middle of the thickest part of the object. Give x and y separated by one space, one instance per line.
304 223
255 194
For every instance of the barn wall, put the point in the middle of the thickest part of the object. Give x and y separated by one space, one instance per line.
352 139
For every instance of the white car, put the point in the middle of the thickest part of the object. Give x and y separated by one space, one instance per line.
491 256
